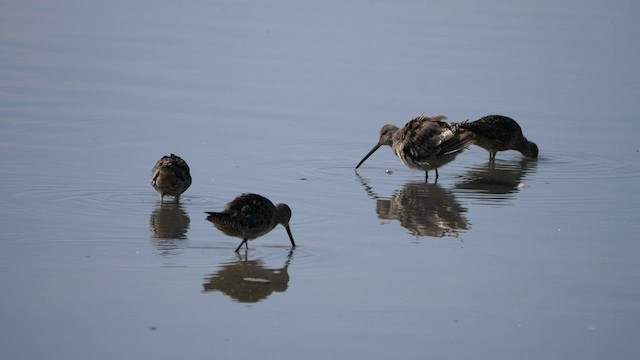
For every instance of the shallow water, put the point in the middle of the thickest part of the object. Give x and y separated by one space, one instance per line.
517 259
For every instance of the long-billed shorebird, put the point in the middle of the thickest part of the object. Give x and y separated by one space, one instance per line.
170 176
250 216
424 143
500 133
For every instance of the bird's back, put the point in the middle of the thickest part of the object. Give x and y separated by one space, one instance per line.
495 132
429 139
248 216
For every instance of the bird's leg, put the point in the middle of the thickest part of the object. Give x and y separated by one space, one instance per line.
426 176
243 242
437 174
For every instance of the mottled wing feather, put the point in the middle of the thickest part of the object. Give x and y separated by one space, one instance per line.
181 169
222 221
245 214
424 137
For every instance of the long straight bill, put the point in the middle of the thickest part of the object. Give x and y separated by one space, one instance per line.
290 236
369 154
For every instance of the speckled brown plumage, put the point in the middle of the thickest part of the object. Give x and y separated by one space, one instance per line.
250 216
424 143
170 176
500 133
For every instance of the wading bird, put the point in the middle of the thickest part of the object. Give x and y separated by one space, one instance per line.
170 176
250 216
424 143
500 133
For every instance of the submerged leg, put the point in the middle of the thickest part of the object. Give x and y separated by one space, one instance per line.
243 242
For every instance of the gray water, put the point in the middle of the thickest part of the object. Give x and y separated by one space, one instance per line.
520 259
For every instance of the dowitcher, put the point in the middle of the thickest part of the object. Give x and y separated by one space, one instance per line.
250 216
170 176
424 143
500 133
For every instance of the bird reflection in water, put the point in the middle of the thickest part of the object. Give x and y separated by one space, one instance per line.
423 209
249 281
169 224
496 181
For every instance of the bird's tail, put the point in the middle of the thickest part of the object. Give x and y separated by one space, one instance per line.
462 140
213 216
465 126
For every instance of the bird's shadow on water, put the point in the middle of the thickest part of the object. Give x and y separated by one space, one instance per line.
169 224
248 281
495 182
432 210
421 208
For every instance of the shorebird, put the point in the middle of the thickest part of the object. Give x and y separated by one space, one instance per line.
424 143
500 133
170 176
250 216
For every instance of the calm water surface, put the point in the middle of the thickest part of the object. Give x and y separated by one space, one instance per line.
517 259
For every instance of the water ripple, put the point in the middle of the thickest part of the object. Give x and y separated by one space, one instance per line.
592 167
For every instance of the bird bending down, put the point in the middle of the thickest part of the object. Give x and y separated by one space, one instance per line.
500 133
250 216
170 176
424 143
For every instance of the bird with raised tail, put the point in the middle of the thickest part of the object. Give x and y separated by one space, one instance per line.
250 216
500 133
424 143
